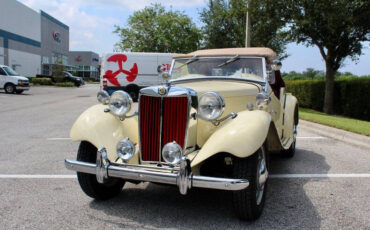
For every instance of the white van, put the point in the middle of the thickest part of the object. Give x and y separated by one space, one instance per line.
132 71
11 81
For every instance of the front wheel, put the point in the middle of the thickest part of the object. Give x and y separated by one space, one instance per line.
88 182
9 88
249 202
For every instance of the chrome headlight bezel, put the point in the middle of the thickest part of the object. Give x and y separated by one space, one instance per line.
120 103
172 153
103 97
125 149
217 106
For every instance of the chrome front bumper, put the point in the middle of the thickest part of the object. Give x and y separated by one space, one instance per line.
22 87
184 179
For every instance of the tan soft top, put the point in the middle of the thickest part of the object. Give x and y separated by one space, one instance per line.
253 51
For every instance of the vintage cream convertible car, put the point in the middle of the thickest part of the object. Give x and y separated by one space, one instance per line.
211 124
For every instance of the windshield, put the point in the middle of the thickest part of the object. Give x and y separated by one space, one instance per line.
10 71
241 67
68 73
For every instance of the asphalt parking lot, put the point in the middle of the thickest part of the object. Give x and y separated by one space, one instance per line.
326 185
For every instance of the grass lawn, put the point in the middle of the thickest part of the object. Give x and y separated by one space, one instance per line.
349 124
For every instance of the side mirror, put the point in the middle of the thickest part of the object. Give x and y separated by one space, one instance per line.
160 69
165 76
276 65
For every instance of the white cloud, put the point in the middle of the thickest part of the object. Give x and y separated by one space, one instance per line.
90 27
85 28
140 4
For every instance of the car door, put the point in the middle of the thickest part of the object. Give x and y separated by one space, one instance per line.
2 78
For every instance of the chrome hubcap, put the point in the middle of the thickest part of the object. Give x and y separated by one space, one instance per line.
262 175
294 134
9 89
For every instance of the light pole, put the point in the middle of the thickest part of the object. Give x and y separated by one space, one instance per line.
247 27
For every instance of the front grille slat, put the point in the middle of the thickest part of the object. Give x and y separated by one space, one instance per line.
149 127
175 115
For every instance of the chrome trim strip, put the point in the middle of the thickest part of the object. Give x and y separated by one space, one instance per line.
214 78
164 166
161 130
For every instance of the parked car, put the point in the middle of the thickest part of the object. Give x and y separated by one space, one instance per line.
78 81
132 71
211 125
11 81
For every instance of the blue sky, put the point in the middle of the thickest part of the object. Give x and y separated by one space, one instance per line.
91 24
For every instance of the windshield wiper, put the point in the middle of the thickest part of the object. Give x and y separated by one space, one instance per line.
193 59
229 61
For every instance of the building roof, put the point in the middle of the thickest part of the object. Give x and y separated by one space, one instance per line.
252 51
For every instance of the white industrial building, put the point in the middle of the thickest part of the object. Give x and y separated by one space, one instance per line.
33 42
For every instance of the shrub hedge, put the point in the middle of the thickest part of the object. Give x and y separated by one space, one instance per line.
41 81
351 96
65 84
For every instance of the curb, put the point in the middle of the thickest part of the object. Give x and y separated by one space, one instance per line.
338 134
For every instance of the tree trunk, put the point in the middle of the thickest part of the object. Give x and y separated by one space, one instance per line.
329 89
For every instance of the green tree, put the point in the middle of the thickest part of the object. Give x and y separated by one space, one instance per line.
225 20
311 73
58 69
336 27
154 29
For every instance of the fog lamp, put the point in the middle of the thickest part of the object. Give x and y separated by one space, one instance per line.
125 149
172 153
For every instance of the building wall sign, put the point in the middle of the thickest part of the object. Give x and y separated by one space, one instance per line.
56 36
95 59
78 58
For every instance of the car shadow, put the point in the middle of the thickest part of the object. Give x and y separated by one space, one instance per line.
287 204
14 94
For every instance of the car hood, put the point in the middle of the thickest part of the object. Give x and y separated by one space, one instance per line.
225 88
20 78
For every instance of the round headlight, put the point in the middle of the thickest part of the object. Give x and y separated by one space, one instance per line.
120 103
103 97
211 106
172 153
125 149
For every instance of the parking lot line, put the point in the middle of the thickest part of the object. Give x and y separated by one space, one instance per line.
272 176
58 138
312 137
37 176
324 175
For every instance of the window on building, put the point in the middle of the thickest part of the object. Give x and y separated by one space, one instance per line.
64 60
59 59
45 60
56 58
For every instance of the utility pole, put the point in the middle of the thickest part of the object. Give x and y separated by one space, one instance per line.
247 28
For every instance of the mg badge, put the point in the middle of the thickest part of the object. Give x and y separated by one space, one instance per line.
162 91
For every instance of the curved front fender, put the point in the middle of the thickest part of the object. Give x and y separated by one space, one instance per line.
240 137
104 129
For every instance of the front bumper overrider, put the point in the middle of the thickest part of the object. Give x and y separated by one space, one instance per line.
183 178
